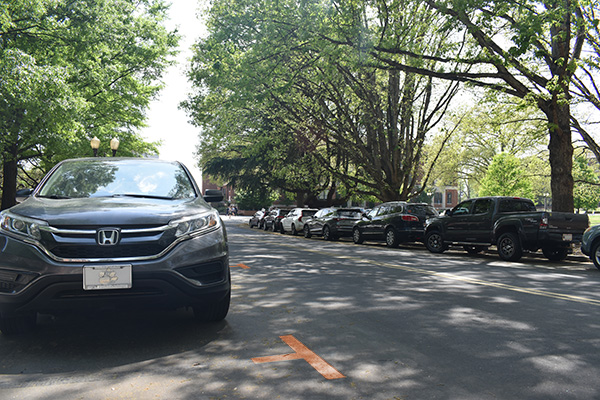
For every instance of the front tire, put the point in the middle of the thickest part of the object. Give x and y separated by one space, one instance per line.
435 242
595 256
391 238
555 253
327 235
357 237
307 233
213 312
17 324
509 247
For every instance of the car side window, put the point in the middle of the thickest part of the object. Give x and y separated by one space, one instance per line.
397 209
462 209
526 206
515 205
482 206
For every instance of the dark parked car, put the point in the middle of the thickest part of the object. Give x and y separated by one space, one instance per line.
332 223
590 244
512 224
257 219
394 222
113 233
274 217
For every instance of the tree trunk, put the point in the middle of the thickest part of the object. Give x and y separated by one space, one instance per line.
561 156
9 183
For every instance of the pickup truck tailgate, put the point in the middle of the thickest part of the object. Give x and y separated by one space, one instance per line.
574 224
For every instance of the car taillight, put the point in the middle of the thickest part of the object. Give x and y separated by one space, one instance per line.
410 218
544 221
300 218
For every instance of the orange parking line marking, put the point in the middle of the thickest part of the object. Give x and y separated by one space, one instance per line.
244 266
302 352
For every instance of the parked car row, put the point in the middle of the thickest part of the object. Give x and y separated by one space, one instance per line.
511 224
392 222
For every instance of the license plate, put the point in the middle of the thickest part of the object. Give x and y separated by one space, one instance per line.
567 237
106 277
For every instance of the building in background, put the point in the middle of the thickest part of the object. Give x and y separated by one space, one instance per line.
445 197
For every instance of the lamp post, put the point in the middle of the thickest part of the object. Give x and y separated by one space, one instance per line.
95 143
114 146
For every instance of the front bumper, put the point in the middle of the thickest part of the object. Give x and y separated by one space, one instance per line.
194 272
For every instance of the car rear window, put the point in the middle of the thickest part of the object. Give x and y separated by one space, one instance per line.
421 209
516 205
350 213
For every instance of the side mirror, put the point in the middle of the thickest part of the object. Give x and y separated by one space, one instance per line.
448 213
24 192
213 195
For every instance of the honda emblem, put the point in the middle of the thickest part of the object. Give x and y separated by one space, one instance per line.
108 237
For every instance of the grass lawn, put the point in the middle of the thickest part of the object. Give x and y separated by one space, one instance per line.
594 219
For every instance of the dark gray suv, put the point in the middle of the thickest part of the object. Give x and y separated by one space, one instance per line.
113 233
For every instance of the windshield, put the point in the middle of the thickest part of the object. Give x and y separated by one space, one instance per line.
119 177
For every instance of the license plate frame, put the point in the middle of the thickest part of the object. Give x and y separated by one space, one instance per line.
103 277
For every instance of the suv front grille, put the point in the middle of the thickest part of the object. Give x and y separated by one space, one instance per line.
135 242
117 251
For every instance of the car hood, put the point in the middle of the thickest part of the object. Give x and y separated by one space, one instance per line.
109 211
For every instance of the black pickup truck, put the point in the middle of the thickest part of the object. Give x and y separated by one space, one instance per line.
512 224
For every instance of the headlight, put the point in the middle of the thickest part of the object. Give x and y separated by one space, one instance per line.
22 226
196 225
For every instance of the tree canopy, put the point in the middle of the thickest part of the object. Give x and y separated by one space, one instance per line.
361 83
275 69
528 49
70 71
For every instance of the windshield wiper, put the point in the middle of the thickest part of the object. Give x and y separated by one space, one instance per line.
55 196
142 196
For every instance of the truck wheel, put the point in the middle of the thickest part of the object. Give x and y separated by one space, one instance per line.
435 242
357 237
307 232
509 247
595 256
391 238
555 253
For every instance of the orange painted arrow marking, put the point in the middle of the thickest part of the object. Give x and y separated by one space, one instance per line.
244 266
302 352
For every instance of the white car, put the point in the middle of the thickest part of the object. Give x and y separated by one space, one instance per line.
294 221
